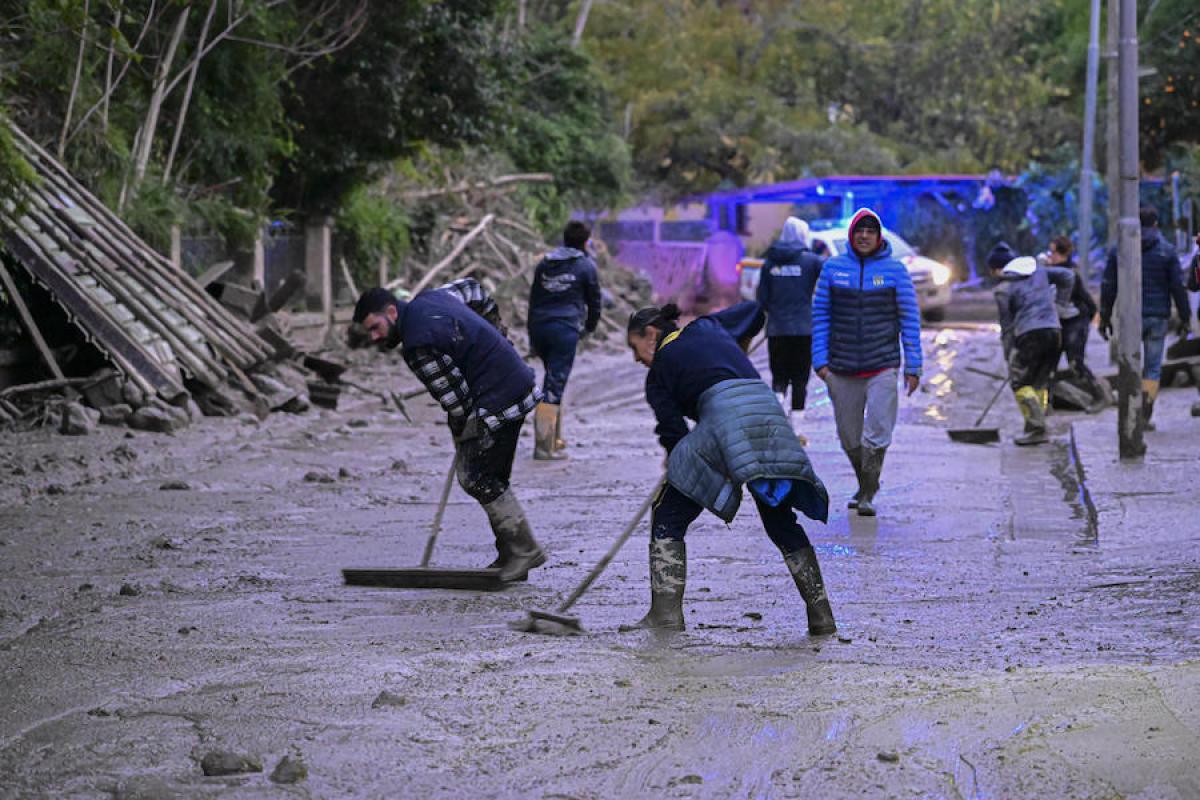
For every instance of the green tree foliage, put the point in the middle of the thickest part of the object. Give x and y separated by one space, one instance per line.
1170 112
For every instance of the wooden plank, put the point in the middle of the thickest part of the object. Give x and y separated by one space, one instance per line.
35 333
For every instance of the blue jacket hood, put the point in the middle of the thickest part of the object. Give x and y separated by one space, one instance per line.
565 254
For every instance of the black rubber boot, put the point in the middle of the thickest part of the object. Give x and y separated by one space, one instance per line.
806 572
872 468
856 456
502 558
668 577
519 551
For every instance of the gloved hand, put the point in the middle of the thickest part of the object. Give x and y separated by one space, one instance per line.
1105 328
464 429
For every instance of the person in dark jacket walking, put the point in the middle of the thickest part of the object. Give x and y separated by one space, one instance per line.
1030 330
1075 329
486 390
864 309
564 303
741 438
785 290
1162 284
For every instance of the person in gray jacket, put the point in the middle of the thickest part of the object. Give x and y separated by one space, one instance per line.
1030 330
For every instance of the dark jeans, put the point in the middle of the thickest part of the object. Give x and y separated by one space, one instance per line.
1074 346
674 511
555 342
484 471
791 362
1034 358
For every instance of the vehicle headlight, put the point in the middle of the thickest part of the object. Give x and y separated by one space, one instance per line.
940 274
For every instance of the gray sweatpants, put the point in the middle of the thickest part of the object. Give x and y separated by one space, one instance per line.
864 408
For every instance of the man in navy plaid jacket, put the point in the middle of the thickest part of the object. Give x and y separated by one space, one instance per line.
486 389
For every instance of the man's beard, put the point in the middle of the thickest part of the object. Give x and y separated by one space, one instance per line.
392 340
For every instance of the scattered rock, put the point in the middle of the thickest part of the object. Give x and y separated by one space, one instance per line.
246 418
845 639
78 420
357 422
754 615
85 587
99 711
124 452
154 419
344 473
132 395
163 543
223 762
115 414
56 488
386 699
398 465
186 629
690 779
297 405
129 590
174 486
888 756
290 769
318 477
623 683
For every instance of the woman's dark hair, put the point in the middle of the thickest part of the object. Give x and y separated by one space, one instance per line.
663 319
1061 245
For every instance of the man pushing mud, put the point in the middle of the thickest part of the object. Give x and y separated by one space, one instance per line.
486 390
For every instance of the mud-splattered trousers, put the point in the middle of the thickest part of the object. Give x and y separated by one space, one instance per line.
673 512
1074 347
485 462
555 341
1033 358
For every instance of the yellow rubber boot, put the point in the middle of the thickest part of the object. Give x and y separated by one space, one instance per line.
1149 395
1029 400
559 442
545 418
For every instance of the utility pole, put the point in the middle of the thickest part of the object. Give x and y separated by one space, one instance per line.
1111 140
1087 165
1129 248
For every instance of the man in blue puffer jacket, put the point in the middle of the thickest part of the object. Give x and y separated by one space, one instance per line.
564 304
785 291
1162 283
864 308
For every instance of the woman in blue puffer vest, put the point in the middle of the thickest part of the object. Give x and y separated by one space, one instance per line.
741 437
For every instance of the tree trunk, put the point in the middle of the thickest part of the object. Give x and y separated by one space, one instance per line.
585 8
142 156
66 126
187 93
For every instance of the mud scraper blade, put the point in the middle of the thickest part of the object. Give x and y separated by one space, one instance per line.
480 580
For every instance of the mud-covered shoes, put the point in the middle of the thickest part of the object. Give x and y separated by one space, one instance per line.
806 572
519 551
668 578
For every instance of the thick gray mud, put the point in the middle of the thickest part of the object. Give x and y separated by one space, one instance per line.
996 639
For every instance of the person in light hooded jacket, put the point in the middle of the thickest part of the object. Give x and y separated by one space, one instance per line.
785 290
1030 330
865 314
564 304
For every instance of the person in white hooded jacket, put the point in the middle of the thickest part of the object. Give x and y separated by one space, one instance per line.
1030 330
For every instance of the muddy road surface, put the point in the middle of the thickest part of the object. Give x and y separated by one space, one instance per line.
1001 633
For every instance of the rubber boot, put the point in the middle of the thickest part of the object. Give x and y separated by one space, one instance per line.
806 572
1030 403
872 468
855 457
520 552
795 420
545 421
1103 399
668 577
559 442
1149 395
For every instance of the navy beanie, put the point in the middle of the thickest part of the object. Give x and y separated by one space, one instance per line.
1000 255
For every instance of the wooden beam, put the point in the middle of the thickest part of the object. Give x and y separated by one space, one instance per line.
35 333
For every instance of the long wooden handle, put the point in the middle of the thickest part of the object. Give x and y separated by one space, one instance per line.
612 551
992 402
441 511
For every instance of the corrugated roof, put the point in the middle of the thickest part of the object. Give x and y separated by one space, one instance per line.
151 319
